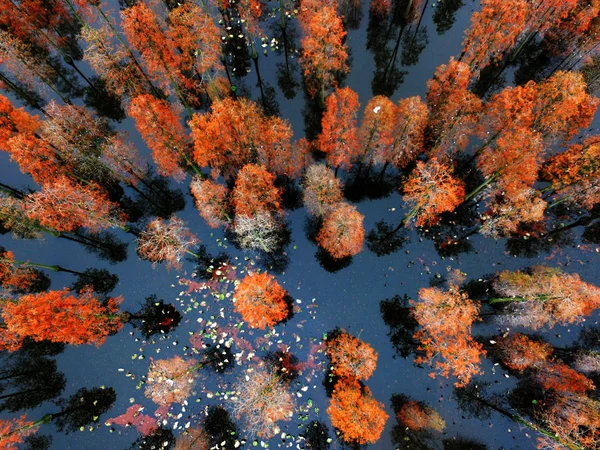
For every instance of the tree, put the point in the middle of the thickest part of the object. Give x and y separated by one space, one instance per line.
446 318
343 233
113 62
518 352
353 410
262 231
159 125
263 399
166 240
255 192
193 439
323 50
322 190
557 376
350 357
235 133
574 175
170 380
260 300
418 416
59 316
64 206
211 201
339 135
454 110
431 190
494 29
563 106
506 213
13 431
376 131
544 296
145 32
193 32
14 276
409 133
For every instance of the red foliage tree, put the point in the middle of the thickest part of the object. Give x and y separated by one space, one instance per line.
323 50
376 131
59 316
351 357
145 32
143 423
159 125
170 380
518 352
112 61
193 439
166 240
343 233
559 377
14 276
431 190
237 132
454 110
322 190
446 319
494 29
574 174
563 106
409 133
263 399
13 431
65 206
353 410
193 32
339 135
260 300
505 214
545 296
211 201
418 416
255 192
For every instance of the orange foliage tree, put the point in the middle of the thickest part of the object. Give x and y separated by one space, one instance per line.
559 377
431 190
65 206
418 416
323 50
170 380
446 319
544 296
59 316
260 300
211 201
353 410
343 233
166 240
263 400
454 110
351 357
322 190
236 132
339 135
159 125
